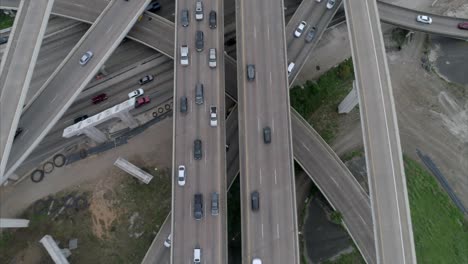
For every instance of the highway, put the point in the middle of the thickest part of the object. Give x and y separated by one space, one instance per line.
45 111
316 15
387 183
269 232
231 156
16 69
206 174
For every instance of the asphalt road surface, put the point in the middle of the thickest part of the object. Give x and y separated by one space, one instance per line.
17 67
208 174
102 38
271 232
387 183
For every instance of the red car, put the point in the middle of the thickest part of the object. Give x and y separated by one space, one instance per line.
141 101
99 98
463 25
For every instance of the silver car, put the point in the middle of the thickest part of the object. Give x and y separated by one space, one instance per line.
86 57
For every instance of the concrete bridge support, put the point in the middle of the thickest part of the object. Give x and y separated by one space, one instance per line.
128 119
350 101
54 251
95 134
13 223
133 170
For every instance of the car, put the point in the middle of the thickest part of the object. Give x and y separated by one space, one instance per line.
85 58
212 19
146 79
153 7
213 116
183 104
257 260
199 95
267 135
181 175
214 203
185 18
199 40
136 93
424 19
291 67
142 101
199 10
184 55
255 199
212 58
318 1
198 206
79 119
19 130
330 4
310 35
167 242
3 40
300 28
99 98
463 25
197 149
250 72
196 255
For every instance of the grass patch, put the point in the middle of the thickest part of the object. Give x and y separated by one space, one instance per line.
439 228
123 242
317 101
6 21
355 153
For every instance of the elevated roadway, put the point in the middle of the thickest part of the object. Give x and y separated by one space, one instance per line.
266 168
231 89
207 174
17 67
387 183
70 78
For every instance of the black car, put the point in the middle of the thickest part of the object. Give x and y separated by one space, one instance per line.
250 72
212 19
255 197
197 149
267 135
18 132
198 206
310 35
146 79
153 7
81 118
183 104
184 18
3 40
199 40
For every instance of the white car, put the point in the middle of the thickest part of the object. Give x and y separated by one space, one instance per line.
181 175
184 55
330 4
424 19
256 261
199 11
213 116
318 1
212 58
291 67
167 242
136 93
85 58
300 28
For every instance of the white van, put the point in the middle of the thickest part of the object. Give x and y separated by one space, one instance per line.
290 67
196 256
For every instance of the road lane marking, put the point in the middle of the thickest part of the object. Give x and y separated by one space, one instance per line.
334 181
306 147
268 33
362 219
260 176
262 230
275 178
277 231
258 123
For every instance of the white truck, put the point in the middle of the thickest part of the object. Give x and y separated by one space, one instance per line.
213 116
212 58
184 55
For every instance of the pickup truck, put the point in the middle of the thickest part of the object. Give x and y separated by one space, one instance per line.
184 55
213 116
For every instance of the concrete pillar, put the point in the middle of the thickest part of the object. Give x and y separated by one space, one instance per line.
128 119
13 223
350 101
95 134
133 170
54 251
103 70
